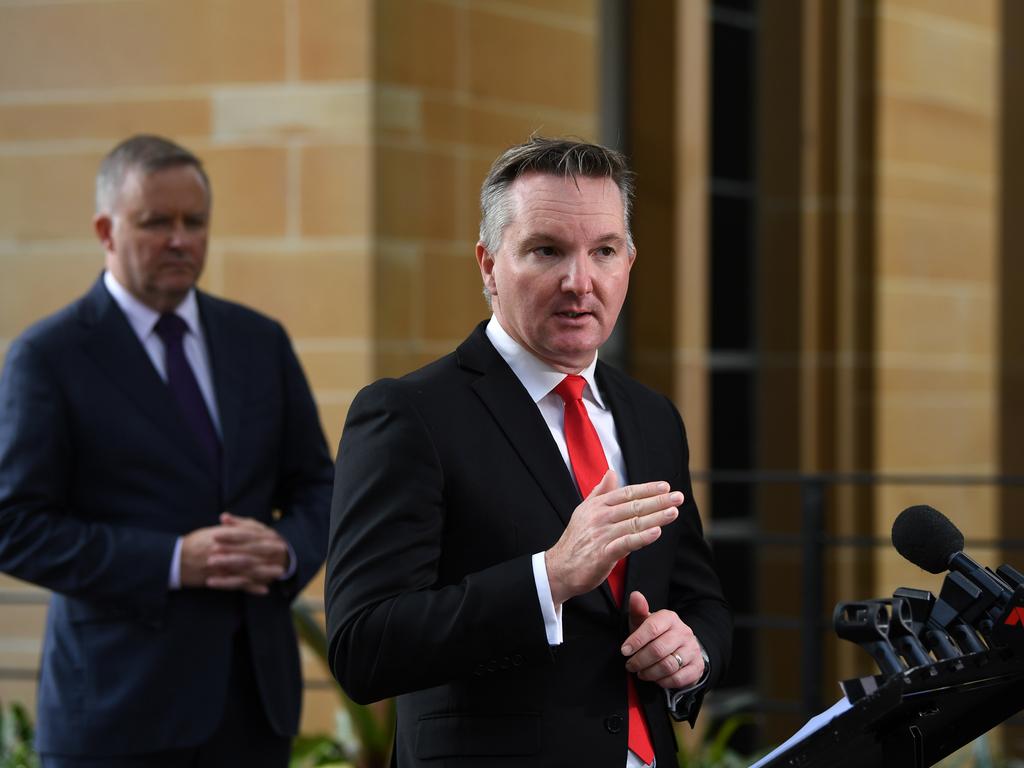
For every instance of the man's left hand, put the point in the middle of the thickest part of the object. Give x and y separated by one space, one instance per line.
661 648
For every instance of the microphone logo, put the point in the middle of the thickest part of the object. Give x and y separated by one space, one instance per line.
1016 617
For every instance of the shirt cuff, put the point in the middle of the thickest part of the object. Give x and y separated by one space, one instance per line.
174 578
552 614
293 564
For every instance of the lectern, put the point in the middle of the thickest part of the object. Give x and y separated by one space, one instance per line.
951 668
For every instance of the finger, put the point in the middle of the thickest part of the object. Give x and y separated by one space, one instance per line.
618 548
628 493
678 677
638 507
608 483
654 660
234 535
227 582
263 549
224 564
638 610
235 522
653 627
250 540
636 525
238 583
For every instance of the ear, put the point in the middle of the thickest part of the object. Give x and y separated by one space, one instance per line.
632 258
485 259
103 226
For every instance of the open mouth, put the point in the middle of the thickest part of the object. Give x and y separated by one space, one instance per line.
573 315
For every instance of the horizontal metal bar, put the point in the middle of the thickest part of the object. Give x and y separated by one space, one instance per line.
13 673
850 478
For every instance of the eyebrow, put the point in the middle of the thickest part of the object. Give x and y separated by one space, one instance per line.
538 237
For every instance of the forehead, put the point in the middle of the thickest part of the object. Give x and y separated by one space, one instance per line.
178 187
588 203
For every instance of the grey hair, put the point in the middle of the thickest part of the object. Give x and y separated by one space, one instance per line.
563 157
147 153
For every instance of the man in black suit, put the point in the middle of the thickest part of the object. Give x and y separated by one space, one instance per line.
164 473
488 563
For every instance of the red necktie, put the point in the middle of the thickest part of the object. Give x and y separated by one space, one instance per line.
589 465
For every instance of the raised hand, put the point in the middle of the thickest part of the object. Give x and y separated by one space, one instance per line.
609 524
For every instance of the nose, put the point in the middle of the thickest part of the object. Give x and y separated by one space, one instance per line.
577 277
180 235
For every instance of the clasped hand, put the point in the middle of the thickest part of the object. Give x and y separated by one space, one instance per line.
239 554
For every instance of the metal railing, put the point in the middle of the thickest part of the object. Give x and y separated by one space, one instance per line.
812 541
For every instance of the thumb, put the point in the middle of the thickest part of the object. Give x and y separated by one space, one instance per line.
609 482
638 610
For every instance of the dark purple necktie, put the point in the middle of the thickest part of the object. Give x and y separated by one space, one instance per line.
182 381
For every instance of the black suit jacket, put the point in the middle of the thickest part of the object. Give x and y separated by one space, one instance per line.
99 475
446 483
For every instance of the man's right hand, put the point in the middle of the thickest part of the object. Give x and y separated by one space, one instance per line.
609 524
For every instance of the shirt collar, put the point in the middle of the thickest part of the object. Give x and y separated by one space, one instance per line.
538 377
142 318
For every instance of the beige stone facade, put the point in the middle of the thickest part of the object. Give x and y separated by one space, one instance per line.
346 140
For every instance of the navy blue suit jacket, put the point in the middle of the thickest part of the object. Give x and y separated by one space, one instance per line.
447 481
99 476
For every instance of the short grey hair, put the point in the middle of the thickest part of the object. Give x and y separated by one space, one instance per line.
147 153
562 157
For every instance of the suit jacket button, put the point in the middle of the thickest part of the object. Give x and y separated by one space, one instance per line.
613 723
505 662
276 515
517 660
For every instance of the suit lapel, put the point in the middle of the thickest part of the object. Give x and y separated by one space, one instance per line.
520 421
228 369
628 427
114 347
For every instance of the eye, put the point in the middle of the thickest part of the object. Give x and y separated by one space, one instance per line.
545 250
195 222
155 222
605 251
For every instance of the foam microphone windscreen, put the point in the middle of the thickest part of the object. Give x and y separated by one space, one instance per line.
926 537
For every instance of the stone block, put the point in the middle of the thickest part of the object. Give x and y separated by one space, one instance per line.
336 190
165 42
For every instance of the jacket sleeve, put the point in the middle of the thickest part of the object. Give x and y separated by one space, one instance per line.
393 627
695 593
43 538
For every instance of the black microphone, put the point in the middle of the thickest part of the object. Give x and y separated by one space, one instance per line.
929 540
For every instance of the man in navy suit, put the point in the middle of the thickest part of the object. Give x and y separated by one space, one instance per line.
515 551
164 473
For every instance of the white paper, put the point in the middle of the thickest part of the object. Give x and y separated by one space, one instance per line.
815 723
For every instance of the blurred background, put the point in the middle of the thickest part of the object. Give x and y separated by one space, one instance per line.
829 200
